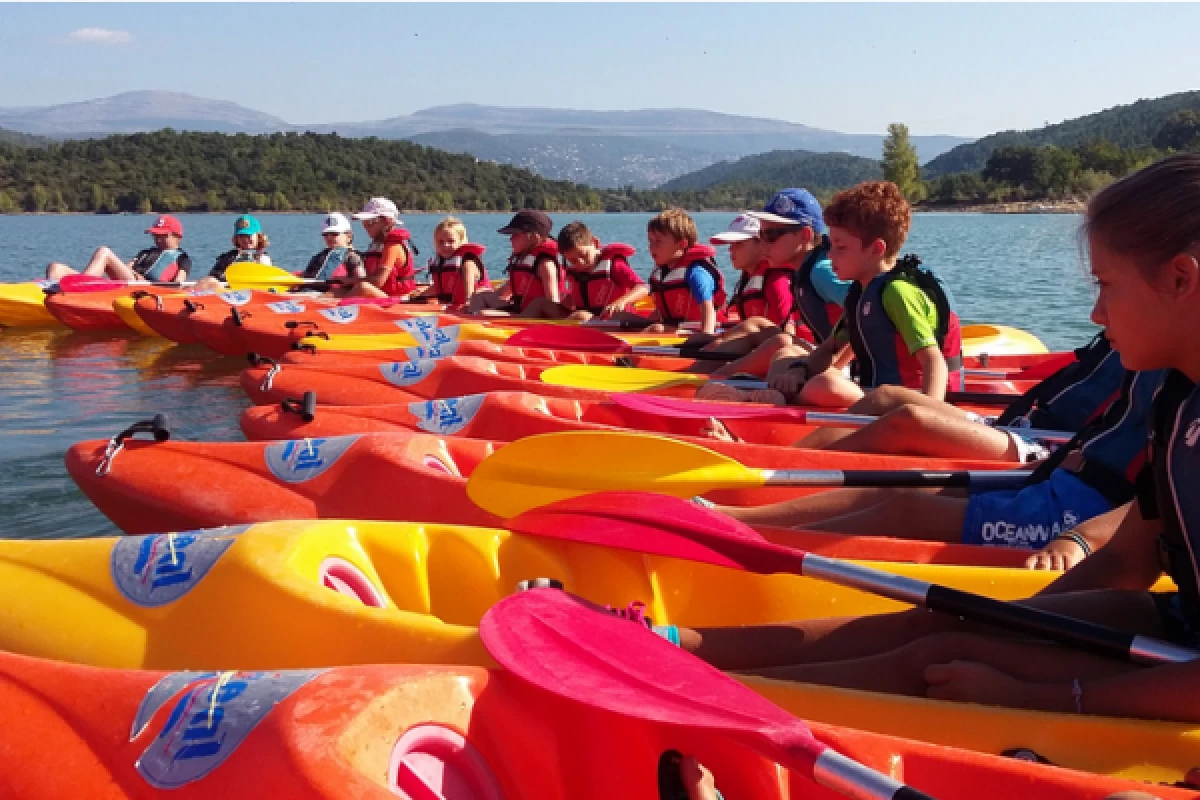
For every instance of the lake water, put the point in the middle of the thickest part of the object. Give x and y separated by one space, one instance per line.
58 387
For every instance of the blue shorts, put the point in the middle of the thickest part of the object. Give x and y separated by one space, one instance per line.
1032 516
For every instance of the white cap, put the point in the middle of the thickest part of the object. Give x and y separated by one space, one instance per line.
379 207
743 228
336 223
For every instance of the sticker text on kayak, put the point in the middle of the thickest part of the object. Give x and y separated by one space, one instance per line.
406 373
301 460
448 415
160 568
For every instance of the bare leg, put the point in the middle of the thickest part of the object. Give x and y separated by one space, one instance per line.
366 289
803 512
759 361
905 515
744 337
57 269
924 431
105 262
485 299
844 638
830 389
883 399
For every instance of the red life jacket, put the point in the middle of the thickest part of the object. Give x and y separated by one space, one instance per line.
403 278
523 274
592 291
446 273
673 298
750 296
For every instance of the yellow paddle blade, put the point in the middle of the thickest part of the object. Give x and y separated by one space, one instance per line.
537 470
252 275
351 342
618 379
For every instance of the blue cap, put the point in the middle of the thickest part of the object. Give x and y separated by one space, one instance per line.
793 207
246 225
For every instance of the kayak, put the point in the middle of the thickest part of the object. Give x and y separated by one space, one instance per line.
23 305
124 307
418 731
93 310
994 340
168 315
332 477
297 595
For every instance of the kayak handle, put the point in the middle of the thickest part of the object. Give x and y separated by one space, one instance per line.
306 407
158 427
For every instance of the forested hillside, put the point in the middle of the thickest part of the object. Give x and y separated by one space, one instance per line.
781 168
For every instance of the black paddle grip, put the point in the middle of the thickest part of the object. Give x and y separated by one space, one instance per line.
1033 621
981 398
306 407
704 355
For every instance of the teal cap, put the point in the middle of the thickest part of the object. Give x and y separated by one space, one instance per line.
246 225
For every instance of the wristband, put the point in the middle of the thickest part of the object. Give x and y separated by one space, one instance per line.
1079 540
1077 695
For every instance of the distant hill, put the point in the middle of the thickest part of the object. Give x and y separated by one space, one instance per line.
602 160
134 112
782 168
1132 125
23 139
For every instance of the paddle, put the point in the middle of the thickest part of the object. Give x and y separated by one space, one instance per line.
79 283
590 340
537 470
252 275
573 649
668 526
624 379
679 408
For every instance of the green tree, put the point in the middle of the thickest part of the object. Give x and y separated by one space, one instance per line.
1181 131
900 164
7 204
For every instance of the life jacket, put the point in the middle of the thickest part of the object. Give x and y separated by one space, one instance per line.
1110 451
230 257
593 290
445 274
403 279
880 354
809 307
1170 494
523 274
750 294
1073 396
158 265
669 286
329 263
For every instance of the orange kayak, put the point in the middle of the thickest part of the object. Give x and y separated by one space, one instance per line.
93 311
169 316
428 732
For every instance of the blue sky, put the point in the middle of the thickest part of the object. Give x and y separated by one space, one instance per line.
967 69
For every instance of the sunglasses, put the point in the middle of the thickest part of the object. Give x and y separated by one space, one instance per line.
331 233
772 235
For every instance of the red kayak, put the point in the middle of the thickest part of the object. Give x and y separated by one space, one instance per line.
93 310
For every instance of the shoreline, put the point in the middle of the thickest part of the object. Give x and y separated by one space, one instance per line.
1023 207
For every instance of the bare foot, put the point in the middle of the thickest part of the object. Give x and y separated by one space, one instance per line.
699 782
724 393
715 429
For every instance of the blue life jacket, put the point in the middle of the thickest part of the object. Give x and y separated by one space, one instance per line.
325 264
807 303
1075 395
880 354
158 265
1167 490
1109 452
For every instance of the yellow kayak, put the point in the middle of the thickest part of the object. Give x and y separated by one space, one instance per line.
997 340
297 594
126 310
23 305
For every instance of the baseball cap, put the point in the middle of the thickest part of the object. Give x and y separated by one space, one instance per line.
528 221
743 228
246 225
793 207
166 224
379 207
336 223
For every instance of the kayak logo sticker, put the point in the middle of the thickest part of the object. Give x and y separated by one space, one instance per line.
438 351
342 315
215 712
238 298
406 373
448 415
160 568
287 307
426 331
301 460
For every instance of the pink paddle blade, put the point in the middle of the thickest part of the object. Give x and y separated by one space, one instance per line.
88 283
680 408
658 525
572 648
569 337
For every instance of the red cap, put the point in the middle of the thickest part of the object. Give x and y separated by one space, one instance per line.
166 224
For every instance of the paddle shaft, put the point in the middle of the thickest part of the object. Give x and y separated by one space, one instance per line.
709 355
895 478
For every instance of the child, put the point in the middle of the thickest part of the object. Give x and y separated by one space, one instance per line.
685 283
456 270
1145 257
339 261
533 268
899 323
600 282
249 245
389 260
163 262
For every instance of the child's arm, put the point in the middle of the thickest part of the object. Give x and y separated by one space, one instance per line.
548 275
470 274
934 373
708 317
629 298
394 256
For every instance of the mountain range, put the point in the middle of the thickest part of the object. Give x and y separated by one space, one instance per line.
643 148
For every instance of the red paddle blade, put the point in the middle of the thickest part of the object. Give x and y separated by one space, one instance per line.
679 408
569 337
575 650
658 525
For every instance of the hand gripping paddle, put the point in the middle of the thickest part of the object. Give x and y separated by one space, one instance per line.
565 646
537 470
667 526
